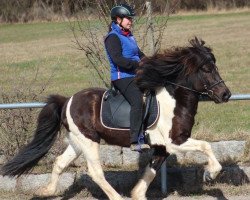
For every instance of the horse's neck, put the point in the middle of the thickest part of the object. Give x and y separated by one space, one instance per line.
185 111
177 112
184 101
167 104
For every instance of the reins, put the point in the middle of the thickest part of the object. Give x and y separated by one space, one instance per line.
208 90
181 86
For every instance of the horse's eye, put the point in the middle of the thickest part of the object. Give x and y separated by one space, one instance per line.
207 68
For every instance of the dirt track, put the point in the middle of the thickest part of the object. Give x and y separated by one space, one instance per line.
11 196
215 192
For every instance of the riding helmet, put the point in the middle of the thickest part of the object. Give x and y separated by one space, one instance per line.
122 10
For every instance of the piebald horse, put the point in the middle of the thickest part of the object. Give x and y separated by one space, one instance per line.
178 76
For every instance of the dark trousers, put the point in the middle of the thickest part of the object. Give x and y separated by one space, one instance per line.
134 96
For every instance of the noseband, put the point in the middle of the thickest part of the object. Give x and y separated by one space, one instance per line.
209 90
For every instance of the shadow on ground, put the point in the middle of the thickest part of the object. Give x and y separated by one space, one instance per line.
189 180
186 181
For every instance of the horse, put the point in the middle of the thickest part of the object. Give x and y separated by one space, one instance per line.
179 76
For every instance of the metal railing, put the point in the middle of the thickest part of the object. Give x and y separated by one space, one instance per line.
42 104
22 105
164 165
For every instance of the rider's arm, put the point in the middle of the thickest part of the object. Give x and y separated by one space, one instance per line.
114 48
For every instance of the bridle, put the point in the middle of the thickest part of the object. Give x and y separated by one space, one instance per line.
207 89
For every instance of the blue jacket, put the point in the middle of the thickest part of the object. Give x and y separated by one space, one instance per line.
129 50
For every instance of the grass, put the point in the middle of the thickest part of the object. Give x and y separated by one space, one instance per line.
202 16
48 47
34 31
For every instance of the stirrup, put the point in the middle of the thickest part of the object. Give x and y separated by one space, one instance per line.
141 139
139 147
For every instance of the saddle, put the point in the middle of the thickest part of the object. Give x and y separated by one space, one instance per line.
115 110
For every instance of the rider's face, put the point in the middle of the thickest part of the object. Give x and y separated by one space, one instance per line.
126 22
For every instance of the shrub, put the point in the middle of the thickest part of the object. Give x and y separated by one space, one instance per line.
17 125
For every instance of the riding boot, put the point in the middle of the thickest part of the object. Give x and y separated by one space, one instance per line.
137 144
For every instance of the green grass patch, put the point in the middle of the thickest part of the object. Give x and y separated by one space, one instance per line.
205 16
224 119
24 64
32 31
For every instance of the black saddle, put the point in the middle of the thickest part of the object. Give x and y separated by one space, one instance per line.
115 110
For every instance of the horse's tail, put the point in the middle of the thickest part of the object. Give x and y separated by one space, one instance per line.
48 126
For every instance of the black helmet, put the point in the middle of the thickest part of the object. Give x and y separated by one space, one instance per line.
122 10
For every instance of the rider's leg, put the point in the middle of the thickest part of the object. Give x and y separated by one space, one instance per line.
134 96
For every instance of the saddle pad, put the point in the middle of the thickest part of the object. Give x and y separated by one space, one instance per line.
115 111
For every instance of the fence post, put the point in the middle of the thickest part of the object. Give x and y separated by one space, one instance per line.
151 40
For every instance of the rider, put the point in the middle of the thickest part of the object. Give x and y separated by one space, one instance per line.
124 57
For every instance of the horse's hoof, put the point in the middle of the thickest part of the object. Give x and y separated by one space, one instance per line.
207 177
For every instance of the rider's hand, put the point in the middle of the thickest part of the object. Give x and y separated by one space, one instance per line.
142 61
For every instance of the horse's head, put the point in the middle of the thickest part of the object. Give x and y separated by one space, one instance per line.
192 67
202 72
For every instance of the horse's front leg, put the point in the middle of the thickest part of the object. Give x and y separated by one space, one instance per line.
159 156
213 168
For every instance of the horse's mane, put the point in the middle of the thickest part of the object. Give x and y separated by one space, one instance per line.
172 63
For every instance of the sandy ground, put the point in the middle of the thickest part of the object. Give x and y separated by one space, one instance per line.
217 192
171 197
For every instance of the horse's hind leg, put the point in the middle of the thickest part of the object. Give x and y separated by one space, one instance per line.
96 172
62 161
90 149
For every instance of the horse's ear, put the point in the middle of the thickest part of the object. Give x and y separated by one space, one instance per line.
195 42
202 42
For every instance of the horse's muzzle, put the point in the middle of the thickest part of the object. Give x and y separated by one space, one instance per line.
226 95
222 97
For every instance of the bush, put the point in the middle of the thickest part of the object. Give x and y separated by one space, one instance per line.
17 125
28 10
